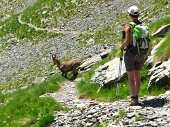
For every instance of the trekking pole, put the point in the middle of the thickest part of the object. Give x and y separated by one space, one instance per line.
120 67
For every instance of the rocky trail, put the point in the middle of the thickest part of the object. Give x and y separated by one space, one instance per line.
68 96
54 30
154 111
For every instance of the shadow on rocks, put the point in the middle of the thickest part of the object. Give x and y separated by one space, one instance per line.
147 125
156 102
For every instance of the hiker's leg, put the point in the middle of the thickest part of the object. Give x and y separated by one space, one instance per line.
137 79
138 67
134 84
131 79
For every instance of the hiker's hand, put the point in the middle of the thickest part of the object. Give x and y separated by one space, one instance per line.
121 48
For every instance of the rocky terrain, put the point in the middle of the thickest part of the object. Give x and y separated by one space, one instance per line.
153 111
25 59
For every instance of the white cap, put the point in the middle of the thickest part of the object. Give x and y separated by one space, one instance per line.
133 10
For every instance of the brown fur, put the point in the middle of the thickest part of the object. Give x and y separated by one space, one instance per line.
67 66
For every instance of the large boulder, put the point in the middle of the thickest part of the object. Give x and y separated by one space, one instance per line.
162 31
149 60
89 62
159 33
107 74
159 75
160 72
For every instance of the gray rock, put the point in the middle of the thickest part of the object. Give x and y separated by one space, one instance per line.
162 31
108 73
149 60
39 80
159 74
89 62
130 115
150 116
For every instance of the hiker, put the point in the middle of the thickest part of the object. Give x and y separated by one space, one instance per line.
133 62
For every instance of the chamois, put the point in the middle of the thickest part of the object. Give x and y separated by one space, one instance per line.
67 66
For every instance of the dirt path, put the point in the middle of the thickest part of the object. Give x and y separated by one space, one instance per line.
68 96
54 30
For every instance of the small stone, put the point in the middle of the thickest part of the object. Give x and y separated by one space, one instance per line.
130 115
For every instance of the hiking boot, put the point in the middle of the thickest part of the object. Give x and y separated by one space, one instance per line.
134 101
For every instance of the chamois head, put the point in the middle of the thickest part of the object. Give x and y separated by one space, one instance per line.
55 59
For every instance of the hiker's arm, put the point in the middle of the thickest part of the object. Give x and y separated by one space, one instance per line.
127 37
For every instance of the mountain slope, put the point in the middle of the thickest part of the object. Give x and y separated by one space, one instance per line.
32 30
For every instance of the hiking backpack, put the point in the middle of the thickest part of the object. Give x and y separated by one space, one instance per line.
139 43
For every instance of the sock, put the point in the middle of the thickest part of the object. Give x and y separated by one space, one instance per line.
134 96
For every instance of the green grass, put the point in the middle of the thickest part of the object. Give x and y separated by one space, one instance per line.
163 53
54 11
154 26
23 31
89 90
103 124
13 5
122 113
67 10
138 118
26 108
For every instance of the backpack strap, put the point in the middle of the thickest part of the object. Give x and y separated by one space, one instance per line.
132 26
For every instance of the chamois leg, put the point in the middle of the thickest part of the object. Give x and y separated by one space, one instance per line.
64 75
74 76
75 71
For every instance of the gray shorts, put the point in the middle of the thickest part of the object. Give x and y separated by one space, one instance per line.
133 62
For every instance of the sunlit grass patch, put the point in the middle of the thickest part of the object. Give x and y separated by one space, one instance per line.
90 90
138 118
122 113
23 31
154 26
163 52
25 107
